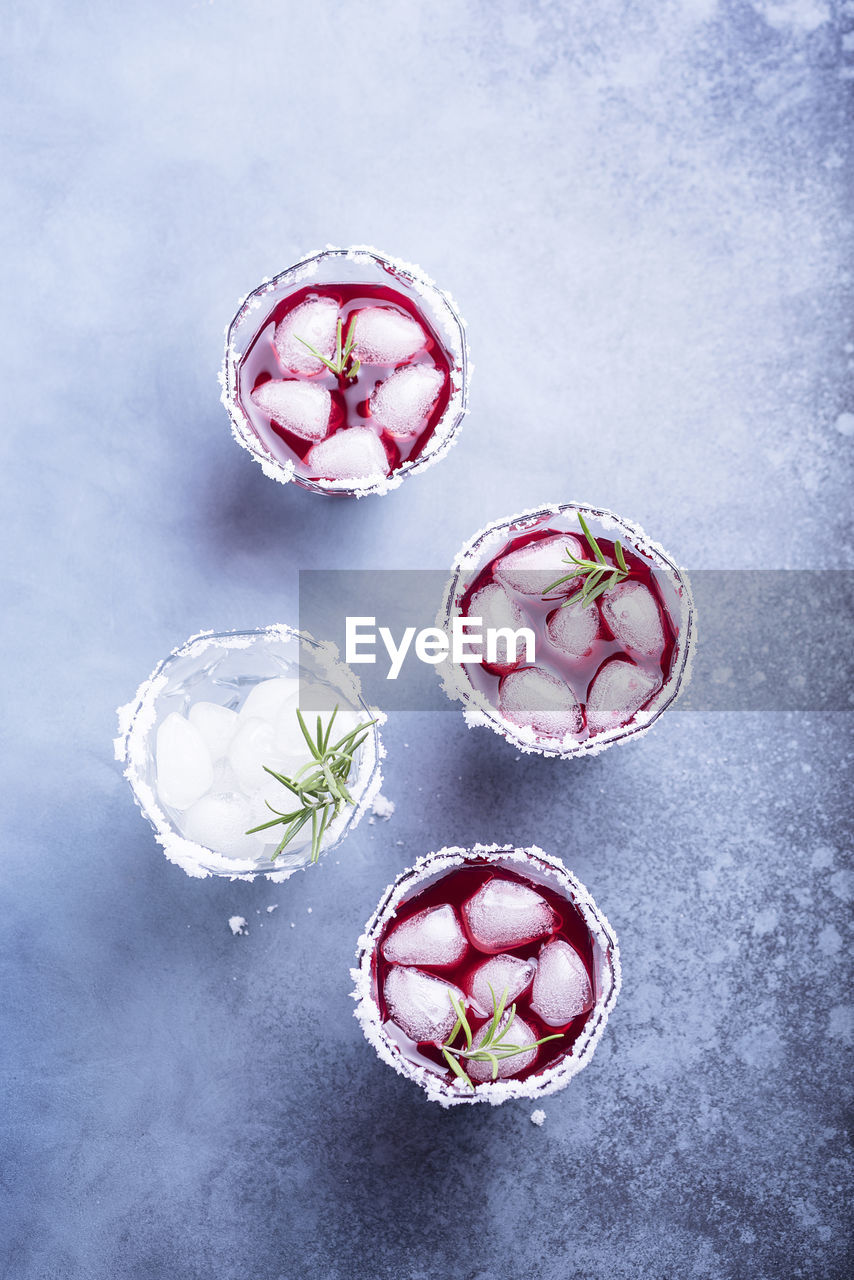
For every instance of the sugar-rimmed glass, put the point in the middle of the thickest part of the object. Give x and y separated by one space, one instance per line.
224 668
357 265
471 685
541 869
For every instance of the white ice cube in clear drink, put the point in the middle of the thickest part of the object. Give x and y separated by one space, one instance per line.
532 568
252 749
216 724
497 609
354 453
518 1033
419 1003
402 404
315 321
219 821
303 408
505 914
432 936
535 699
385 335
631 611
573 629
562 987
495 976
183 762
267 699
618 691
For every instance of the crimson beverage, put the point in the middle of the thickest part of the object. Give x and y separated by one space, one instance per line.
347 373
607 616
491 978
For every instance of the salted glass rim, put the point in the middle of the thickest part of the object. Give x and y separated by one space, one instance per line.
477 708
547 870
452 331
138 722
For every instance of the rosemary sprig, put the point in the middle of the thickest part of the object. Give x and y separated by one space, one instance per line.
591 571
345 364
319 786
493 1047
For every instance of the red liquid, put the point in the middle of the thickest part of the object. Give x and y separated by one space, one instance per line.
350 396
456 888
578 673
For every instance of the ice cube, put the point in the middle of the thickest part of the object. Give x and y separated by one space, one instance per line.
631 611
573 629
302 408
385 335
532 568
183 762
562 987
402 404
267 699
316 322
431 937
618 691
220 821
420 1003
536 699
252 748
501 973
352 454
496 608
518 1033
505 914
216 724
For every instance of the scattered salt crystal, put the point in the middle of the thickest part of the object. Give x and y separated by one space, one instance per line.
274 906
534 698
538 1117
309 910
237 925
316 322
402 404
385 335
845 424
354 453
303 408
382 807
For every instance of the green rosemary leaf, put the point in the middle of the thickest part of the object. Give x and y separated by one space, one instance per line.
319 785
456 1068
592 572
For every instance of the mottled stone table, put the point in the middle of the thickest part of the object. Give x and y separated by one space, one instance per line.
640 209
